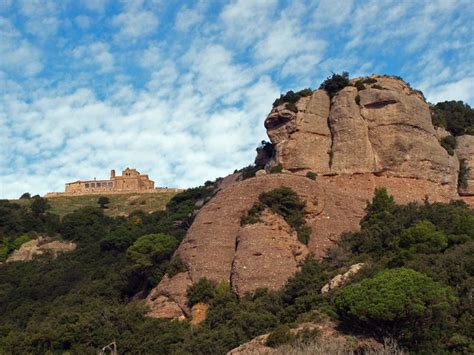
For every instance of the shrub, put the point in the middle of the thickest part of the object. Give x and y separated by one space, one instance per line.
18 242
311 175
369 81
291 97
377 86
103 201
253 215
335 83
202 291
176 266
149 250
357 99
463 174
449 143
25 196
39 206
359 85
423 237
276 169
281 335
304 234
394 301
456 116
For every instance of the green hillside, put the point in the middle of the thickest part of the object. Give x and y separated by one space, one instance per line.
122 204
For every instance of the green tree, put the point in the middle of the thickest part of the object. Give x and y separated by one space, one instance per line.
396 302
149 250
103 201
39 206
423 237
25 196
202 291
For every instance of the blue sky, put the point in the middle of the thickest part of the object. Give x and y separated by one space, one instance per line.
180 89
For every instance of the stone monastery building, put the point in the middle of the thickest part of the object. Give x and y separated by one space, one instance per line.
130 181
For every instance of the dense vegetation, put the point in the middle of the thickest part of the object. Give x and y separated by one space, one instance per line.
286 203
456 116
416 285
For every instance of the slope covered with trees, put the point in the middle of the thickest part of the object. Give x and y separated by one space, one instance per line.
416 286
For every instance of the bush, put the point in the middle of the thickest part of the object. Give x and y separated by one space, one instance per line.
281 335
149 250
377 86
449 143
291 97
25 196
369 81
202 291
359 84
423 237
39 206
103 201
176 266
253 215
335 83
394 301
276 169
456 116
357 99
311 175
463 174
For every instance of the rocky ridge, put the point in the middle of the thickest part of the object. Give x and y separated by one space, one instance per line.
356 141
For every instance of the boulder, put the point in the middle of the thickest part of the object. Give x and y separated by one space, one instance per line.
40 246
339 280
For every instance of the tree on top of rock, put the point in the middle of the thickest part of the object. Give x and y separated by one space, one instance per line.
335 83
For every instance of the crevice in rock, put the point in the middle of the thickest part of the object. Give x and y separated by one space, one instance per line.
380 104
232 266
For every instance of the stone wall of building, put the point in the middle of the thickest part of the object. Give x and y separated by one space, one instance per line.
130 181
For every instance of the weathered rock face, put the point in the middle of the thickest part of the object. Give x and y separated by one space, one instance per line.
384 129
339 280
40 246
465 150
356 141
266 254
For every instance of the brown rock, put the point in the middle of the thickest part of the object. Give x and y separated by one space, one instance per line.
304 138
465 150
219 248
339 280
266 255
40 246
386 131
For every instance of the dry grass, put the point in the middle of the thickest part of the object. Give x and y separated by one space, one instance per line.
120 204
337 346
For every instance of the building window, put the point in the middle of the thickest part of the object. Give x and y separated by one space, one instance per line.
87 186
110 184
92 184
97 184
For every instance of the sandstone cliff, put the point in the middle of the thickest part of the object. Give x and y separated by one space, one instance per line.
355 141
383 129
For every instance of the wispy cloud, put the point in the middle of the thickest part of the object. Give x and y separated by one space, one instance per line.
180 91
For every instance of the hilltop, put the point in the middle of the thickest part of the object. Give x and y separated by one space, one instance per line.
120 204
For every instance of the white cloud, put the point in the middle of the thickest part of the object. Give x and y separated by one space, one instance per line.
97 54
187 18
462 89
84 22
95 5
18 55
135 22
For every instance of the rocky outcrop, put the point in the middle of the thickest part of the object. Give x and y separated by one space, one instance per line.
384 129
266 254
339 280
335 342
465 151
360 139
40 246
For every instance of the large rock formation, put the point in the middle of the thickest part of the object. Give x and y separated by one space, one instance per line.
355 141
384 129
465 151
